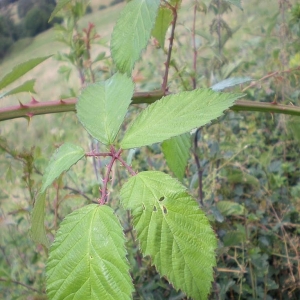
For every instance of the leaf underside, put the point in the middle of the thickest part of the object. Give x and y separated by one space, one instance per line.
102 107
176 114
230 82
177 151
88 257
172 230
132 32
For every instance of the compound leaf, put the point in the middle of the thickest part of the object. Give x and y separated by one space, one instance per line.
37 231
132 32
177 151
20 70
62 160
173 230
162 23
88 257
176 114
102 106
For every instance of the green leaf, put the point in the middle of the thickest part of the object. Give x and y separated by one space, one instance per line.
173 230
293 126
64 157
237 3
20 70
27 86
62 160
102 106
233 238
162 24
88 257
229 208
132 32
37 231
176 114
100 56
177 151
59 6
237 176
229 82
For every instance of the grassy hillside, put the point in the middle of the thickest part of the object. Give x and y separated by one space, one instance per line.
45 44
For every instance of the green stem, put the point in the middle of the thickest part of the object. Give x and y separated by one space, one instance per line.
49 107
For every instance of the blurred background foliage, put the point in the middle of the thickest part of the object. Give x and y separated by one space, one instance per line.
249 167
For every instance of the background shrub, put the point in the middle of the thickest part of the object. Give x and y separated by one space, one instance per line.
114 2
9 33
102 7
24 6
36 21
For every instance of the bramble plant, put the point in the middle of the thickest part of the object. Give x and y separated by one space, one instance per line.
89 257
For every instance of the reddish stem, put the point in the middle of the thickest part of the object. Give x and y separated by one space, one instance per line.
129 169
96 154
114 156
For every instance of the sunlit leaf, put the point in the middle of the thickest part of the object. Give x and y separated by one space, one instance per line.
88 257
132 32
20 70
176 114
173 230
162 24
102 106
177 151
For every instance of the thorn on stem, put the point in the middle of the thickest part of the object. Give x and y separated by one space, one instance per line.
22 105
33 100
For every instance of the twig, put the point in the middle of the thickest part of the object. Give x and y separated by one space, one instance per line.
199 169
284 241
78 192
20 283
254 83
167 63
114 156
58 106
97 154
129 169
